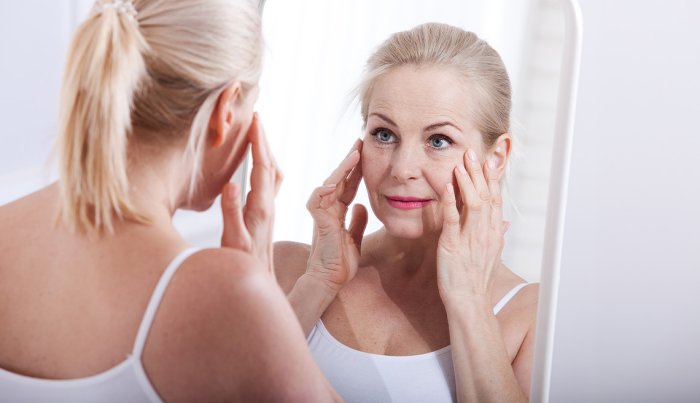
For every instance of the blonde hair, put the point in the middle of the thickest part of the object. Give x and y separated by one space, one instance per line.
442 45
160 71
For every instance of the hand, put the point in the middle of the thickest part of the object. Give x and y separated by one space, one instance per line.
249 227
470 245
335 250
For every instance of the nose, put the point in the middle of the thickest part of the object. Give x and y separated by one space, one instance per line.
406 162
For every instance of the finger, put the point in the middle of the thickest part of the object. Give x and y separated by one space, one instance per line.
450 216
358 223
506 225
482 205
235 234
345 167
279 176
357 145
470 198
262 175
275 171
316 206
496 198
352 183
325 221
471 161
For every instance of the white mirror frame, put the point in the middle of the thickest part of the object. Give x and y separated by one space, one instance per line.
556 206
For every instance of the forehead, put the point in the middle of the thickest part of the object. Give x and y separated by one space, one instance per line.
412 94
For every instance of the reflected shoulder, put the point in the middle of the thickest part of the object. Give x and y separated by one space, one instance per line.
290 262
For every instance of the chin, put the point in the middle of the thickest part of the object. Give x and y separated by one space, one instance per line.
407 229
199 205
407 225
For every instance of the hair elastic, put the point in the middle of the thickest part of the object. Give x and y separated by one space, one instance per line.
125 7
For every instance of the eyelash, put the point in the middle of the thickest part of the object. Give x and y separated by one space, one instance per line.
375 133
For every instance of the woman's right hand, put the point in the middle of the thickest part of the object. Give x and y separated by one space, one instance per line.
335 250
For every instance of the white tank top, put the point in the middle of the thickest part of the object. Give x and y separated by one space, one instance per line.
363 377
126 382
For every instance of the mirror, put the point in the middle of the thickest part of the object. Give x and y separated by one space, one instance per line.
316 51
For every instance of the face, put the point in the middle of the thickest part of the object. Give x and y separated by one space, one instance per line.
418 129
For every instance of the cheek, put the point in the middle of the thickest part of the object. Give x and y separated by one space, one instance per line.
375 165
441 174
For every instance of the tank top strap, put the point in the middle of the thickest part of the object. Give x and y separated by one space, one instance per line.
156 297
506 298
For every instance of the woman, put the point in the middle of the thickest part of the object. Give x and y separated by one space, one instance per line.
423 309
102 299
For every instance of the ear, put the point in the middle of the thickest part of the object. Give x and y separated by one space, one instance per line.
222 117
498 153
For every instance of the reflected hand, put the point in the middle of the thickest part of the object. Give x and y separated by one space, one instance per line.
470 245
335 250
249 227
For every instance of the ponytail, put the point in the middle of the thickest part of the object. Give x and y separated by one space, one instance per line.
104 69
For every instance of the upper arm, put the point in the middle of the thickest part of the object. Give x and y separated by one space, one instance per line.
290 262
522 364
228 333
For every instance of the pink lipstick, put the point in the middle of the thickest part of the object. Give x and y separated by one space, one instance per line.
407 202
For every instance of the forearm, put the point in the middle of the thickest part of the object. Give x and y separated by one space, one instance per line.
309 298
483 371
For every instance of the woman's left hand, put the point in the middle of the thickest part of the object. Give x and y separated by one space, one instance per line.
470 245
249 227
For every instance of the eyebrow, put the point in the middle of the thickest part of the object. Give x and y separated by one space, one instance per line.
427 128
437 125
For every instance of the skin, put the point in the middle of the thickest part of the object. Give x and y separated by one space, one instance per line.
73 310
431 276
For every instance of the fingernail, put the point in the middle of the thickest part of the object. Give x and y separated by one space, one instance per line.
471 154
461 169
492 163
330 185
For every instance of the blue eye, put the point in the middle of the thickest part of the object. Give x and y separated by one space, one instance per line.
439 142
384 135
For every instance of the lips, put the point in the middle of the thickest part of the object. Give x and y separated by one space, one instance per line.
407 202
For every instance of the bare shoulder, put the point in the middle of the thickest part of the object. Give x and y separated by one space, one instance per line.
26 218
526 299
224 331
522 308
290 262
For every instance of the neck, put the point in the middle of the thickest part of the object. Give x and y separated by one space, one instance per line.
410 260
158 180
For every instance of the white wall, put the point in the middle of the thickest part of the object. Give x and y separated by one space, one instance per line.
628 322
33 38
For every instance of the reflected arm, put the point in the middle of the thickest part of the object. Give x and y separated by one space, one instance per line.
483 369
309 296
